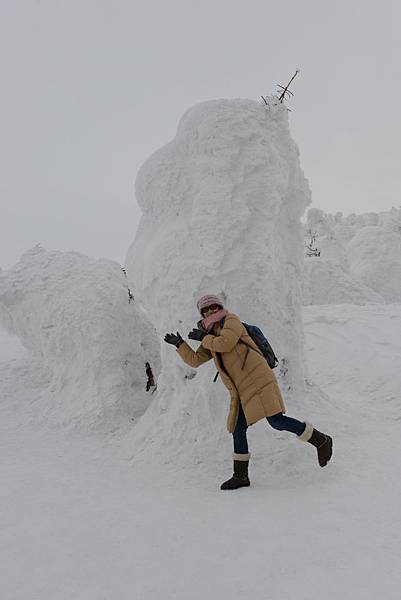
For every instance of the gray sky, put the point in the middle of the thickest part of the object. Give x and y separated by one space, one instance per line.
89 89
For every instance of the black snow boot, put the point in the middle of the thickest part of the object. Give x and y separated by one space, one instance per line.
322 442
240 475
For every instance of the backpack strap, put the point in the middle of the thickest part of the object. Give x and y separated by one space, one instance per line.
248 348
246 356
251 347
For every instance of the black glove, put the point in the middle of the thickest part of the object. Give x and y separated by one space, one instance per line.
197 334
176 340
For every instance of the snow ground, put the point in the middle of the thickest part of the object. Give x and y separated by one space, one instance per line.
81 521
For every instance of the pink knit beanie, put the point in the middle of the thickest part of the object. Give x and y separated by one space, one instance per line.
208 301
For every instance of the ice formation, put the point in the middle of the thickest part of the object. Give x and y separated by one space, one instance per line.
221 208
360 258
73 313
375 260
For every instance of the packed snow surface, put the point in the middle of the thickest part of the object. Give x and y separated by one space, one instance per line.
78 521
221 207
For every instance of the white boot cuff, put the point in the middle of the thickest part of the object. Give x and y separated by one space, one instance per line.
306 435
243 457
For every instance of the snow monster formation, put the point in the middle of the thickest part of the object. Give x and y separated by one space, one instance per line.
73 313
359 260
221 207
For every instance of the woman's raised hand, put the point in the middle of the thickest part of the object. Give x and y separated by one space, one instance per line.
176 340
197 334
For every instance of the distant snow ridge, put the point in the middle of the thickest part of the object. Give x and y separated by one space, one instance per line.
360 258
221 210
326 282
73 312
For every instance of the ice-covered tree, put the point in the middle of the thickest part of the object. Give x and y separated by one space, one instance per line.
221 207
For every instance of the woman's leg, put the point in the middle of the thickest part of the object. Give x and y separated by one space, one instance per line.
284 423
239 434
306 433
241 456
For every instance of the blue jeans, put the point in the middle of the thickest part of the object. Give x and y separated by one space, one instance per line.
278 421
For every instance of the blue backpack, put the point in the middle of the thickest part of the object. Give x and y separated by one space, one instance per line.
260 340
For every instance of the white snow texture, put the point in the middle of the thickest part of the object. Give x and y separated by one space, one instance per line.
73 313
360 258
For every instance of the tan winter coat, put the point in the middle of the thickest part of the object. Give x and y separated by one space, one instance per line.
242 368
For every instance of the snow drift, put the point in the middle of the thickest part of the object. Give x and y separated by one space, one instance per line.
327 282
221 208
73 314
360 258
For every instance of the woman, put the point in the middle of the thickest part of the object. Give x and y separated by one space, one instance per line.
252 385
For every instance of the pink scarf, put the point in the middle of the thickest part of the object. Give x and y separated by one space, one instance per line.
209 321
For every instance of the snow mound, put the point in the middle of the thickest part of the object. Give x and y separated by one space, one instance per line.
327 282
360 258
73 314
354 355
375 261
221 210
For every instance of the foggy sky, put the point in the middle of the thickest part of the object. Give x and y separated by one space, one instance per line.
89 89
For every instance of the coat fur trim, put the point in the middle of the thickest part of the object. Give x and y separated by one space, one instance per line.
242 457
306 435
